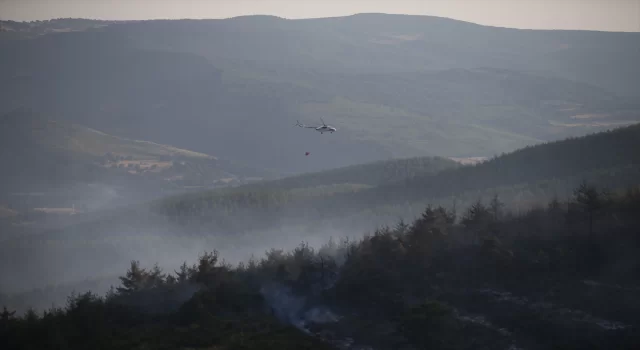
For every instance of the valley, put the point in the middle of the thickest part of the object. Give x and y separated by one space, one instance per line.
56 165
210 87
349 202
481 189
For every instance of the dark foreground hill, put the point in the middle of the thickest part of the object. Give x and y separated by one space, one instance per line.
563 276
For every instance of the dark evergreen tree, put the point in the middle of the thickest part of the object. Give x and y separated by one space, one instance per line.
136 279
496 207
590 201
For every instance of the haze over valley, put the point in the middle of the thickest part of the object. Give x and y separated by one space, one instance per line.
469 162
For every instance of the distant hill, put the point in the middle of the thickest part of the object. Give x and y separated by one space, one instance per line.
246 219
525 177
43 155
610 158
395 86
24 30
368 174
225 94
387 43
469 112
7 213
25 126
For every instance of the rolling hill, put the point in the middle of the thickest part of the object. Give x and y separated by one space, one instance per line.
469 112
553 108
367 174
526 177
24 30
382 43
243 220
396 86
48 156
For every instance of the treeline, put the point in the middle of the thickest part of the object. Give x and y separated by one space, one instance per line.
612 149
274 200
200 306
529 176
560 276
371 174
241 210
31 29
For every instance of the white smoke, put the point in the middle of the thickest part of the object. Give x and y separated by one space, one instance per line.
293 309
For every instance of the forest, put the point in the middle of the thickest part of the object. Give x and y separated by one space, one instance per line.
563 275
341 203
387 190
145 166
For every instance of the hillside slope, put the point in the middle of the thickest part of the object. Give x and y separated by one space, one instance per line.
383 43
25 126
527 176
25 30
103 82
367 174
468 112
395 86
247 219
43 155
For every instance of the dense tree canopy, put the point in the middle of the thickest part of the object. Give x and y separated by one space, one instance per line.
425 284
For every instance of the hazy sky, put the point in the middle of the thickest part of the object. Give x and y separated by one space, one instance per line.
611 15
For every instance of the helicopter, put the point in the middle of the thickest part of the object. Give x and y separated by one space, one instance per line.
321 129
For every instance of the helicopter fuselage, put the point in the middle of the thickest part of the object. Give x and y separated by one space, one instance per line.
325 128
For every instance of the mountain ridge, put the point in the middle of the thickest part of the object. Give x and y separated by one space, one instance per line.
397 86
59 20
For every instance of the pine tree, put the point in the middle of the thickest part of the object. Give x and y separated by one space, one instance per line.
401 227
496 207
156 277
185 274
135 279
6 315
477 219
590 202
